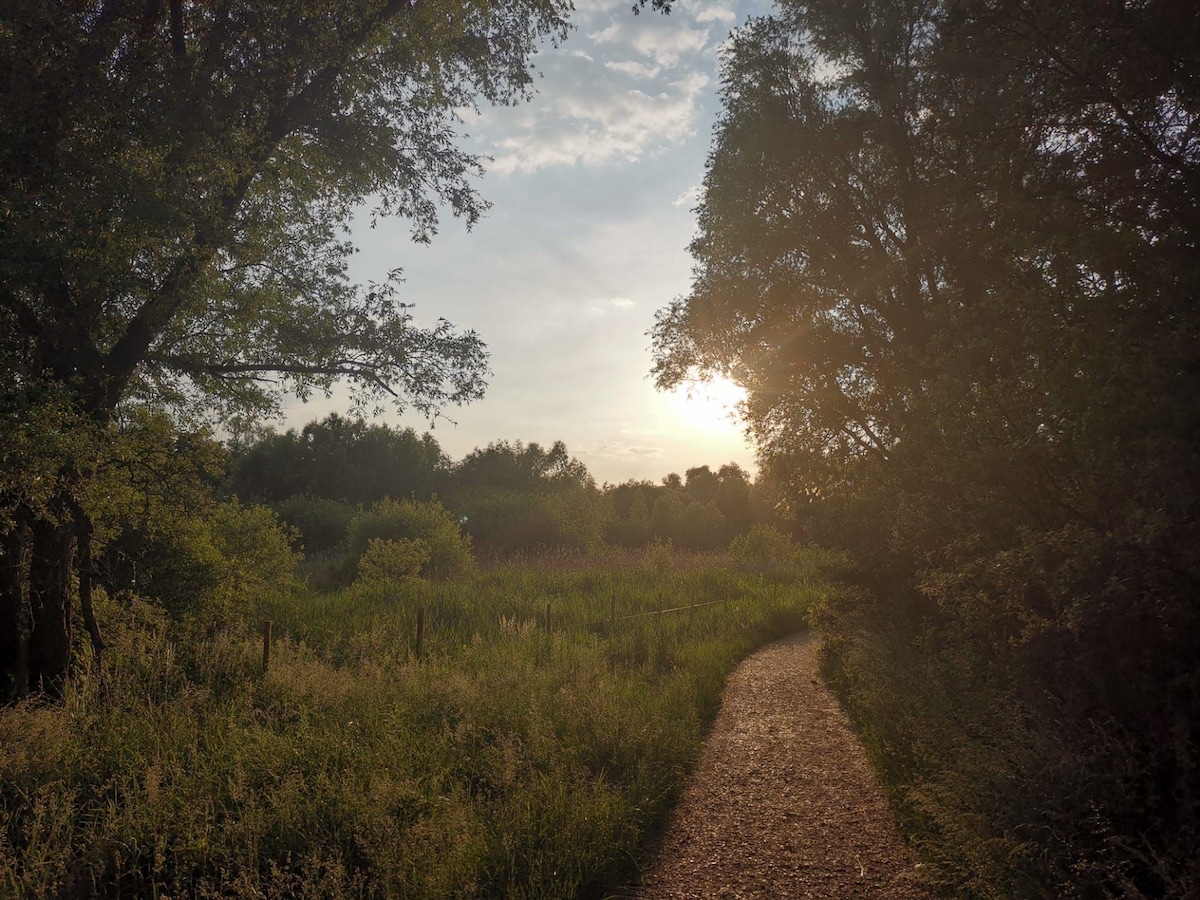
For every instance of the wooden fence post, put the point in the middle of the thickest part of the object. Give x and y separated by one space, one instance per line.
420 631
266 645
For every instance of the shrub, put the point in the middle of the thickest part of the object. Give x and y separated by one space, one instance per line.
412 520
658 557
506 520
762 549
251 558
208 567
389 561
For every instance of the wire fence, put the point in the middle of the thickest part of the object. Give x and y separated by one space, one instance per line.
547 624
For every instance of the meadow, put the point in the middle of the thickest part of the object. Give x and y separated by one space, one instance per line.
505 760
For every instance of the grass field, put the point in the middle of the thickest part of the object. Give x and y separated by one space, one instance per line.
505 761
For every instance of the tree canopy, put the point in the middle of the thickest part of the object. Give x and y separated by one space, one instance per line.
949 248
177 178
341 459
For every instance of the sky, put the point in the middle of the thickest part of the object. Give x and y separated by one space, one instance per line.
592 183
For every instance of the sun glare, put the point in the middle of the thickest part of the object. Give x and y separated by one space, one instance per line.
710 404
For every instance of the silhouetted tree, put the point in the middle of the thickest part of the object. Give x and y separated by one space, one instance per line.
341 459
523 496
950 250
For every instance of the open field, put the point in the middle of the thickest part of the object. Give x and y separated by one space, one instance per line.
505 761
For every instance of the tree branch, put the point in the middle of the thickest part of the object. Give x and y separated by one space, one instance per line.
281 120
339 367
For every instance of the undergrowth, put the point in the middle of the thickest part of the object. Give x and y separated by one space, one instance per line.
504 761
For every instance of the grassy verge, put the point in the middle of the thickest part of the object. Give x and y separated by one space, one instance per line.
504 762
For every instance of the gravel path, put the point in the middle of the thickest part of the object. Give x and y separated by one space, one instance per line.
783 803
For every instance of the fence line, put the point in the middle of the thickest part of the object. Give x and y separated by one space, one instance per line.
653 612
546 623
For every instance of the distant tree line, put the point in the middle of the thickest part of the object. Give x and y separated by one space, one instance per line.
508 496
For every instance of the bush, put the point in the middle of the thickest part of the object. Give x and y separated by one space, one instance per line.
209 567
763 549
658 557
250 556
412 520
390 561
506 520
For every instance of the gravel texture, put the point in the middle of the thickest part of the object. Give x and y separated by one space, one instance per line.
783 803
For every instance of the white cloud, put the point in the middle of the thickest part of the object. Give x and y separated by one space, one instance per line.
665 45
622 449
634 69
597 124
688 197
716 13
622 303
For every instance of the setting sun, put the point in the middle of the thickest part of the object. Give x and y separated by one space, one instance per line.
710 404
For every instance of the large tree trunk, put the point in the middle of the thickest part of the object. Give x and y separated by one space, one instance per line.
14 609
45 536
50 566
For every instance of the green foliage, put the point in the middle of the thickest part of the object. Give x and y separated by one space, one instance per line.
521 467
208 567
701 513
254 561
629 525
703 526
503 763
340 459
518 497
666 518
160 533
429 523
763 549
388 562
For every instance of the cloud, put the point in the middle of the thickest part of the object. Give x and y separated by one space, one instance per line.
688 197
622 303
634 69
716 13
620 449
596 124
667 44
627 86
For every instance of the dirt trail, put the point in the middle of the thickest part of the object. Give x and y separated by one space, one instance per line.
783 803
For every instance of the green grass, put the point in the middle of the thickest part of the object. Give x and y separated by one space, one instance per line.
505 762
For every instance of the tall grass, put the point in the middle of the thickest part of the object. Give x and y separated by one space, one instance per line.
505 761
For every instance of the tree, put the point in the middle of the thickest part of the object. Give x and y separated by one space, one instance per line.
341 459
630 502
949 249
174 182
522 496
